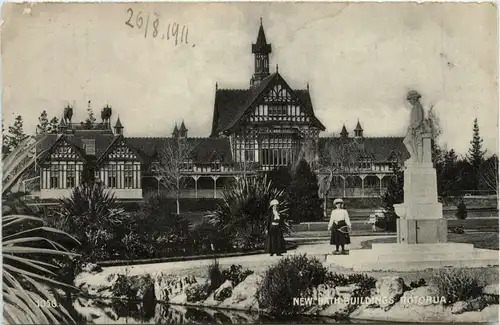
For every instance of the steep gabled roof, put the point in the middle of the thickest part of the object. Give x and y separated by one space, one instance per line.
75 139
232 105
204 150
379 148
261 46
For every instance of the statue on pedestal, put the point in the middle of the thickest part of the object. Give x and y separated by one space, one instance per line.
417 127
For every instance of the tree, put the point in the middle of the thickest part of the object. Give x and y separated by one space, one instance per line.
90 120
447 180
280 178
305 203
15 135
393 195
476 153
489 174
53 125
6 149
339 157
172 160
43 123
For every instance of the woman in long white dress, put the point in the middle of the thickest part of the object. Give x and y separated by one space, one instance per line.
339 226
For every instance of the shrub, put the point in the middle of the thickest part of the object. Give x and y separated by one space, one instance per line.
305 203
242 218
197 292
224 294
292 277
461 210
235 274
204 234
457 284
129 286
364 282
215 275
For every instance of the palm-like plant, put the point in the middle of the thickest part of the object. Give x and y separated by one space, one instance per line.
245 210
92 215
29 268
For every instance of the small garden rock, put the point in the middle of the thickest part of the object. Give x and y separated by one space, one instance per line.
459 307
167 287
421 296
244 294
389 290
491 289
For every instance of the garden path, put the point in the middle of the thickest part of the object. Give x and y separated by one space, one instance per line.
253 262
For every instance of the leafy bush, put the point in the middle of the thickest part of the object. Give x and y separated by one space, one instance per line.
129 286
242 218
364 282
224 294
197 292
31 256
419 283
458 284
235 274
461 210
292 277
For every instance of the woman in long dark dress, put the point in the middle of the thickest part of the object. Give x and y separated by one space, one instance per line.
339 226
275 240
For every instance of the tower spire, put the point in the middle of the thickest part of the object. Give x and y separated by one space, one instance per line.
261 50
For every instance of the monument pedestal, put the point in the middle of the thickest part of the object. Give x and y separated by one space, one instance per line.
422 231
415 257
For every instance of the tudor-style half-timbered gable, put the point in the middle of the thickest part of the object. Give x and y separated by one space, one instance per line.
60 165
120 169
269 123
61 158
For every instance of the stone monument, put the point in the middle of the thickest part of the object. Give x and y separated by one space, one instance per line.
420 215
422 230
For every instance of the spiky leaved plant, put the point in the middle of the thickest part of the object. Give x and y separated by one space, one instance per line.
93 215
243 216
30 252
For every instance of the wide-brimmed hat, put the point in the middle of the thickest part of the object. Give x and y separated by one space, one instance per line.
338 201
274 202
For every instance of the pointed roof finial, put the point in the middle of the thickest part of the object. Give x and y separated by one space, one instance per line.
344 132
277 68
216 85
183 127
261 21
358 127
118 124
62 123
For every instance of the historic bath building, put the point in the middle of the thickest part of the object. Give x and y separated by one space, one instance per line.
267 125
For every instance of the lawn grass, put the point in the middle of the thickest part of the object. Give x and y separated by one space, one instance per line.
484 240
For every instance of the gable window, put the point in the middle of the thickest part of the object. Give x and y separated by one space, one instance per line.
277 110
112 176
128 176
365 164
70 176
54 176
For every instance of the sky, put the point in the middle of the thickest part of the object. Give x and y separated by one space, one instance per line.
360 60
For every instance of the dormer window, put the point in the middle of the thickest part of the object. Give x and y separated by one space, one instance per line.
89 146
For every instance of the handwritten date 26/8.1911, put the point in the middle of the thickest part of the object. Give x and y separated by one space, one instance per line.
174 31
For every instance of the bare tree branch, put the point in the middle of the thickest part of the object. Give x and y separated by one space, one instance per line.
176 156
489 174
